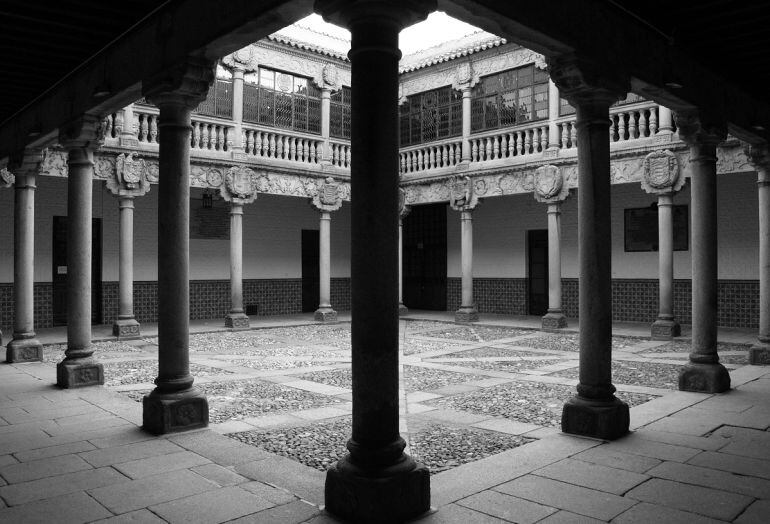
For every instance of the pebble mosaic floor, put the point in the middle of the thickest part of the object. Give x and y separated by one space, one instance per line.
467 392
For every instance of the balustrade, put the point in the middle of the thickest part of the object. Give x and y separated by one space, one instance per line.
272 144
433 156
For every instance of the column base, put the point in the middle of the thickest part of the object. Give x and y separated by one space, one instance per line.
402 310
126 328
759 355
237 321
325 314
554 319
24 349
607 420
78 373
172 412
704 378
395 494
665 329
467 314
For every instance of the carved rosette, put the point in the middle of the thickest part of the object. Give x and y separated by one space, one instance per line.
130 177
462 197
239 185
328 197
549 185
661 173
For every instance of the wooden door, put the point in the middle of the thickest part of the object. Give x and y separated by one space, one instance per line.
537 248
424 262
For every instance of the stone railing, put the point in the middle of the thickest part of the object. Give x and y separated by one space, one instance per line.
283 145
431 156
521 140
340 154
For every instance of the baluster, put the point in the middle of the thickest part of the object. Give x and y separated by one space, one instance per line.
419 159
543 138
108 126
573 134
248 140
204 136
653 120
335 154
474 150
142 135
621 127
264 145
495 148
445 154
311 151
564 135
612 128
519 142
347 156
154 129
292 148
222 135
119 123
632 129
527 141
271 145
643 129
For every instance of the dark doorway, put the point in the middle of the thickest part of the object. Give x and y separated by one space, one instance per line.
59 279
537 247
424 262
311 277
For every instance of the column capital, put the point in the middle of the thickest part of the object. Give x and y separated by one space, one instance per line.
697 127
583 82
186 83
328 197
86 132
399 13
462 197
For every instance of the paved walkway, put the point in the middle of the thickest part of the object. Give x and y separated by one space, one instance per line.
79 456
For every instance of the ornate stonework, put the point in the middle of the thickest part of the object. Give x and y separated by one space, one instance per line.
129 176
187 81
661 173
239 185
461 194
85 132
6 178
549 184
328 197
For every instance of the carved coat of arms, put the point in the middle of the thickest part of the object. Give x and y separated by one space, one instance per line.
131 176
461 195
548 184
6 178
328 197
239 185
129 170
661 173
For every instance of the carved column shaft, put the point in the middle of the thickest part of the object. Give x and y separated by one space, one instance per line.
324 251
238 108
466 143
554 105
704 372
666 256
24 347
325 123
126 261
467 311
236 258
554 257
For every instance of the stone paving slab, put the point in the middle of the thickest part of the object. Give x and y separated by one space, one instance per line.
756 513
73 508
506 507
594 476
212 506
307 483
292 513
48 487
712 478
54 451
733 463
577 499
141 516
219 474
695 499
646 513
145 467
37 469
617 459
129 452
636 445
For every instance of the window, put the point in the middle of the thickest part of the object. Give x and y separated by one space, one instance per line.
339 113
277 99
509 98
430 116
219 100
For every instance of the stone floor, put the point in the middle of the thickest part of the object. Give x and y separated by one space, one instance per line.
480 406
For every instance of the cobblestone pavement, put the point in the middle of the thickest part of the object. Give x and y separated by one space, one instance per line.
478 404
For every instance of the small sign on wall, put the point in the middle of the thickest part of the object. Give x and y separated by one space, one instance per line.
61 270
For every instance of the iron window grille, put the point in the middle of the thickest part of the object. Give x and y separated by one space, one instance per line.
509 98
339 113
219 100
276 99
430 116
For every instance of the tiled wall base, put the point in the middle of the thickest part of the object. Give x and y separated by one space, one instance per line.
633 300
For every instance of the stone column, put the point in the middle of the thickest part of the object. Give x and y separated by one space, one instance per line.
376 481
594 411
325 122
550 189
759 156
129 182
665 122
80 138
402 213
326 200
703 132
127 136
466 143
662 177
554 106
463 199
24 347
239 188
174 404
237 147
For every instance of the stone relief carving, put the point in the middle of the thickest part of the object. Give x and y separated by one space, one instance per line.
661 173
403 208
327 197
732 160
54 163
6 178
129 178
330 77
549 184
104 167
461 194
239 185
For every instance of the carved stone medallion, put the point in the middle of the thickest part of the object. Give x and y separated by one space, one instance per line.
661 173
130 177
461 194
239 185
549 184
328 197
6 178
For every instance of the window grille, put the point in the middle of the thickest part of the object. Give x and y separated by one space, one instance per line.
339 113
430 116
277 99
509 98
219 100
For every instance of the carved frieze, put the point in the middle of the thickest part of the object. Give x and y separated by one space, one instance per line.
54 163
549 184
661 173
239 185
129 176
328 197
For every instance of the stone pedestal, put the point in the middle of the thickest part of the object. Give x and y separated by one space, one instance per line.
595 411
126 328
24 347
79 368
703 132
174 405
376 481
